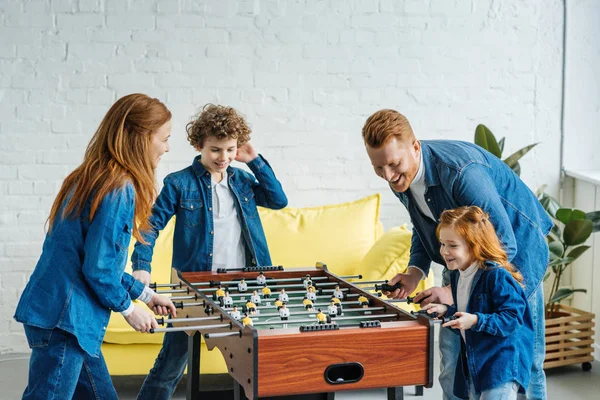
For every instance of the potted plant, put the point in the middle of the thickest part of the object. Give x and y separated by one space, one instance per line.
569 333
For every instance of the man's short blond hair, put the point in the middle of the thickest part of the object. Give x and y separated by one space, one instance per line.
385 125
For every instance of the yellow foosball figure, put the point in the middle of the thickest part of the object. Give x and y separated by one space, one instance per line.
278 303
251 307
308 304
220 292
321 317
247 320
266 292
363 301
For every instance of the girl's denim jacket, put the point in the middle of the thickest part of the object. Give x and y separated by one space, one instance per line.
80 275
187 194
499 348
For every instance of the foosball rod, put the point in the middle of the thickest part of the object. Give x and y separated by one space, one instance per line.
155 285
295 305
190 328
346 310
292 292
250 289
348 318
164 321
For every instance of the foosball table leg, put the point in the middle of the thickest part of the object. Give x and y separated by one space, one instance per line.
238 391
193 370
418 390
395 393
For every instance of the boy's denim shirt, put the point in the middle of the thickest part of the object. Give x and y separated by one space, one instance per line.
187 194
463 174
499 348
80 275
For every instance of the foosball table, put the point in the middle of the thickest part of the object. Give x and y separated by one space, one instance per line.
300 331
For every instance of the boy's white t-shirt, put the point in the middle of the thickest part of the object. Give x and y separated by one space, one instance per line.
228 244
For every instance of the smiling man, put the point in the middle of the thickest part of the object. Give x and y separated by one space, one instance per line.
431 176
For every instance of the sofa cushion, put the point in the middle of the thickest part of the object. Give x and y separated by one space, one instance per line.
389 256
339 235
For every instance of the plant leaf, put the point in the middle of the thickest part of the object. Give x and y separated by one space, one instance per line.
559 261
577 251
486 139
594 216
546 275
550 204
556 249
566 215
513 159
577 231
563 293
501 145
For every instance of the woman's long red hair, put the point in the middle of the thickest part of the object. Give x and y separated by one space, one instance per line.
118 152
474 226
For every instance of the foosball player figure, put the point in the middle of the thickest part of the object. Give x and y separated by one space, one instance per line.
307 281
227 299
247 320
308 304
322 318
283 296
278 303
310 293
266 291
261 279
255 298
242 286
219 293
332 310
235 314
363 301
338 304
250 307
284 312
337 292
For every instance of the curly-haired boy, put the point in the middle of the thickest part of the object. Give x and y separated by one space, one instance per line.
217 223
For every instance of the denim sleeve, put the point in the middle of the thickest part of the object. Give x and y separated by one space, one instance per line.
509 305
418 256
107 238
163 210
132 285
474 187
267 189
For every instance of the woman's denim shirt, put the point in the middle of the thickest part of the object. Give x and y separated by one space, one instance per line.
80 275
499 348
187 194
463 174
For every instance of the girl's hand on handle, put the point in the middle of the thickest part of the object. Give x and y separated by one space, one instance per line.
440 309
162 305
141 320
436 294
463 321
142 276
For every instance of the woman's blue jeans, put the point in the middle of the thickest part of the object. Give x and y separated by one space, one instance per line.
450 349
60 369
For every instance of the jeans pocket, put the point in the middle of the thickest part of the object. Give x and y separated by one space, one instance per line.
37 337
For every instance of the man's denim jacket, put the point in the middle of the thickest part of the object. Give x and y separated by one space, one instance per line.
187 194
80 275
499 348
463 174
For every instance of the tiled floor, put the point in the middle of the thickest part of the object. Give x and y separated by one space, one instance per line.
563 383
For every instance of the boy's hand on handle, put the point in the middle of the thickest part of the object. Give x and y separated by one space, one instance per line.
141 320
436 294
142 276
408 282
463 321
431 308
246 153
162 305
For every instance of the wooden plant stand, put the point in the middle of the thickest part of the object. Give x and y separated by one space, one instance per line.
569 338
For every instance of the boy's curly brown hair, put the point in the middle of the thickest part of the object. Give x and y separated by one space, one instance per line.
218 121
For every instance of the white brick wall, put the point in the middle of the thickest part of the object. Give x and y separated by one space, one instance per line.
305 73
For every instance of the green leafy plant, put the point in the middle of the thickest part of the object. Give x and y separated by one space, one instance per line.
572 227
486 139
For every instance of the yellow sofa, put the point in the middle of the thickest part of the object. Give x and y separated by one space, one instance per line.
348 237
